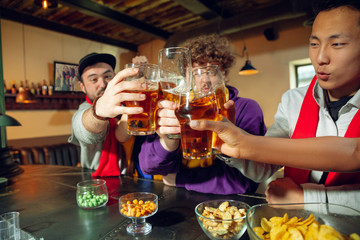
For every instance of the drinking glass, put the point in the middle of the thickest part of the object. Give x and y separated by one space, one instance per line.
144 123
175 68
91 194
197 103
9 226
210 78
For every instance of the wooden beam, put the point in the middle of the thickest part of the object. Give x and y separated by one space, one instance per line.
199 9
100 11
38 22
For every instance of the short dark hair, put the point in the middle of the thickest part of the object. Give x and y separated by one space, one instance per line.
323 5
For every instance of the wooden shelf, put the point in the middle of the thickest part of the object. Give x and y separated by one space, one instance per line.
45 102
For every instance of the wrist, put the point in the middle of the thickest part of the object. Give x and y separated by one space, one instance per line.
94 111
169 144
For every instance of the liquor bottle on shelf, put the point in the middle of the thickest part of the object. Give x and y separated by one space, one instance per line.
21 87
13 88
26 87
44 88
51 90
33 88
5 89
38 89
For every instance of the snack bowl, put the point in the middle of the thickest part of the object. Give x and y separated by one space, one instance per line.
92 194
138 206
314 219
222 219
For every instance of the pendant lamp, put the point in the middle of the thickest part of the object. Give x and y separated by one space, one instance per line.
248 68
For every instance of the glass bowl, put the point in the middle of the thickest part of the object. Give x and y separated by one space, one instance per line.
343 219
222 219
92 194
138 206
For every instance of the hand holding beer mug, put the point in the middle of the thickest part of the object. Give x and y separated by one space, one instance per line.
210 78
144 123
174 66
198 103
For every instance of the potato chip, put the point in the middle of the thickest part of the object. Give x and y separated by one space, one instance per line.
283 228
277 232
327 232
266 225
292 221
295 234
303 229
258 231
313 231
354 236
276 221
307 221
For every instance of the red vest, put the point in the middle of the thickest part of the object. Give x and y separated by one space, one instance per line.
109 158
306 127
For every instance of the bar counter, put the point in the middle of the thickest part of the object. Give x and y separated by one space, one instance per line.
45 196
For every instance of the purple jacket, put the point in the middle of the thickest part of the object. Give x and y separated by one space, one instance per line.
218 178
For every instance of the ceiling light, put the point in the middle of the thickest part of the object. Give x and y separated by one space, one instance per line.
45 4
248 68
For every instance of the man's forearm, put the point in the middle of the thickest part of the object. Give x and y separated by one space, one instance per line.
93 124
321 153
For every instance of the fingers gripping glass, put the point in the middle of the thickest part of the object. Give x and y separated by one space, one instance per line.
210 78
197 103
143 123
175 70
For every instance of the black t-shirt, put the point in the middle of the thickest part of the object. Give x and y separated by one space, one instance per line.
335 106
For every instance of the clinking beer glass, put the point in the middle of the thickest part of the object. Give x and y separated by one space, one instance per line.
197 103
174 66
210 78
144 123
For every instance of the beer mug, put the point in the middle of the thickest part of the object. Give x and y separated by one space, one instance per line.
198 103
174 67
144 123
210 78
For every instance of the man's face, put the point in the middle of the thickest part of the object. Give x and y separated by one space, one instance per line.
205 78
335 51
95 79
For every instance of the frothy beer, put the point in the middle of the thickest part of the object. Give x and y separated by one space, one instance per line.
196 144
143 123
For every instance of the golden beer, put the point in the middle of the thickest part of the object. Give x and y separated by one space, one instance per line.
221 99
196 144
143 123
170 91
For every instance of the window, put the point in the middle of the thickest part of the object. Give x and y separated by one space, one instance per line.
301 72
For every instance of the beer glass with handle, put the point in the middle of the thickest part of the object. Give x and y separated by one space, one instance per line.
174 66
197 103
144 123
210 77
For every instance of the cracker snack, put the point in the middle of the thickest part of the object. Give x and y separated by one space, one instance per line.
223 222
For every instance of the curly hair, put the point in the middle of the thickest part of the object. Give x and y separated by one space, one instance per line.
211 49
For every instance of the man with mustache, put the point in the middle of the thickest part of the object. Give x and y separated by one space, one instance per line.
322 120
100 122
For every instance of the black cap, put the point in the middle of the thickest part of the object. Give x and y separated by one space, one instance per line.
93 58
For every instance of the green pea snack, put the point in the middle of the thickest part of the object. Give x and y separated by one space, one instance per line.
91 193
91 200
